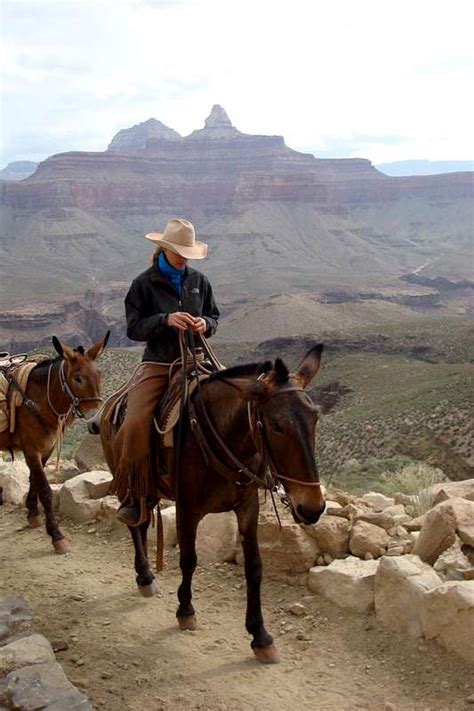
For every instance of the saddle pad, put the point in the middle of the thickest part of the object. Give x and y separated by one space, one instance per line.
21 373
3 403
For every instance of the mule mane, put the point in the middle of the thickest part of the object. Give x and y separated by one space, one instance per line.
241 371
44 364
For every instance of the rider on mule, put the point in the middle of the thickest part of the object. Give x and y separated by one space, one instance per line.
165 299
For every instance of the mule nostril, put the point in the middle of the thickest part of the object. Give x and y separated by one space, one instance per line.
309 516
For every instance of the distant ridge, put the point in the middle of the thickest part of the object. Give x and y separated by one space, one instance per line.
425 167
18 170
137 137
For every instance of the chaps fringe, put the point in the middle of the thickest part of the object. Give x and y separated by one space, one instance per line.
134 478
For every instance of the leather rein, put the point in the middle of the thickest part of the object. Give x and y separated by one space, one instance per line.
266 476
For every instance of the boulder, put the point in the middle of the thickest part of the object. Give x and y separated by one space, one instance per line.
34 649
15 481
348 583
447 615
440 525
331 534
288 551
108 511
448 490
66 470
381 519
453 561
378 501
217 537
15 618
90 455
79 498
168 516
400 583
367 538
41 686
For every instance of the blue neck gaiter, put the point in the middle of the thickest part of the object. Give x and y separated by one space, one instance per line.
175 276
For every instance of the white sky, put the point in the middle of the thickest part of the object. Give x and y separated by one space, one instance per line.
381 79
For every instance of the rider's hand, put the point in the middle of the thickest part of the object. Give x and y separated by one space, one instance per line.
200 325
181 320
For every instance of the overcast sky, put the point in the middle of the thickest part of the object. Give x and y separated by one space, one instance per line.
386 80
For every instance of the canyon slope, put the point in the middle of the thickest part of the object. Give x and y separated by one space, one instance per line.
288 233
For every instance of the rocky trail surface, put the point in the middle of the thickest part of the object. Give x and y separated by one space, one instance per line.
125 652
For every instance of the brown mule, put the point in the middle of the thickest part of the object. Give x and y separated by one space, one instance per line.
59 390
240 421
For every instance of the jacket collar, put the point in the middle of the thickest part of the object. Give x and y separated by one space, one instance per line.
156 277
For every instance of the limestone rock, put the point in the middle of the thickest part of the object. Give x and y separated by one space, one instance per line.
15 481
168 516
90 456
34 649
400 583
15 618
348 583
66 470
378 501
79 498
367 538
447 614
217 537
440 526
109 506
331 534
381 519
452 561
287 551
448 490
41 686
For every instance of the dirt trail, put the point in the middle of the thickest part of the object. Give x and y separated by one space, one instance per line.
125 652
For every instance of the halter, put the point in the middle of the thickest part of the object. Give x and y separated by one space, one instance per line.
66 389
257 432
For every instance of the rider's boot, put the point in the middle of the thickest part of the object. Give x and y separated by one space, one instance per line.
130 511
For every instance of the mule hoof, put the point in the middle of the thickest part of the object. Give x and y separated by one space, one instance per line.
187 623
61 546
149 590
267 655
34 521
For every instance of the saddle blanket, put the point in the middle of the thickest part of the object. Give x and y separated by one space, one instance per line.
10 398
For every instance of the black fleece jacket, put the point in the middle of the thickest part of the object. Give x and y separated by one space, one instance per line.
152 297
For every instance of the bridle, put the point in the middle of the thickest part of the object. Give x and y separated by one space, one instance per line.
257 431
267 475
75 402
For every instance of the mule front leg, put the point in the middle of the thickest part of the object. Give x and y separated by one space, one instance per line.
40 484
33 515
262 642
147 585
186 527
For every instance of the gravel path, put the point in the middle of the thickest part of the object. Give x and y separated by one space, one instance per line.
125 652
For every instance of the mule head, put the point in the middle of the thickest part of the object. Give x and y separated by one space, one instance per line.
81 373
288 420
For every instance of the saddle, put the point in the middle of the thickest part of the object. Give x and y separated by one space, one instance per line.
14 373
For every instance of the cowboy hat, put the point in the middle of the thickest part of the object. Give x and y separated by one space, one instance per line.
179 236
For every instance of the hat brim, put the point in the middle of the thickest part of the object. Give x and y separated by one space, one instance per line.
197 251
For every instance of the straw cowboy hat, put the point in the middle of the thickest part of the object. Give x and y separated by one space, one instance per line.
179 236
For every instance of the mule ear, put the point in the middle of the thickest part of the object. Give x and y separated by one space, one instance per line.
57 346
95 351
64 351
309 366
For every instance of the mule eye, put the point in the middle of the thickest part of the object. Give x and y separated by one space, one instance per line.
276 427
